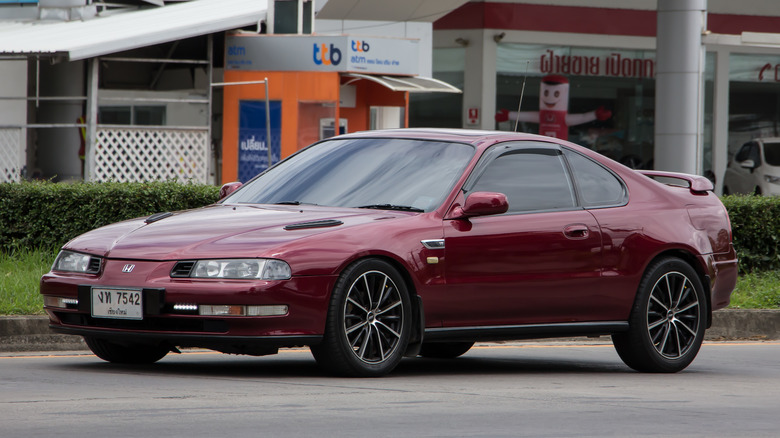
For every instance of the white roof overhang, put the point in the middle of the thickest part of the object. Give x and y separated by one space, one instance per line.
384 10
74 40
412 84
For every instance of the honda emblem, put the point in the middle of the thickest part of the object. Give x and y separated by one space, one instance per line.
128 269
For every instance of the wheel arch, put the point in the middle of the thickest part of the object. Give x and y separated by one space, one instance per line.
694 262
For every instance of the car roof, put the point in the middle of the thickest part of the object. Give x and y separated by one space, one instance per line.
472 136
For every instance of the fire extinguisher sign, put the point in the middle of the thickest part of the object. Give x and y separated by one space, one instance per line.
473 116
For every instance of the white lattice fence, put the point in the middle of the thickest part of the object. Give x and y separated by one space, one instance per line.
151 153
11 157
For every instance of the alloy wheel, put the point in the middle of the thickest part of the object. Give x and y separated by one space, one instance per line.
373 317
673 315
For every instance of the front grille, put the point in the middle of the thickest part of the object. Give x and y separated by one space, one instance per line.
182 269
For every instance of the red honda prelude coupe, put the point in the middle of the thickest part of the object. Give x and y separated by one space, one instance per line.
373 246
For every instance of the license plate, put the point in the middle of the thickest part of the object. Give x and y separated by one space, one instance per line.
117 303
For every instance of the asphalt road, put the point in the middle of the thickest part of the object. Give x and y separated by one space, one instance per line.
731 389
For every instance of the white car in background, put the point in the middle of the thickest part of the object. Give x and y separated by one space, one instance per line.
755 168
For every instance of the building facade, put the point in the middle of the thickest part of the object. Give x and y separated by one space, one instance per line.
499 52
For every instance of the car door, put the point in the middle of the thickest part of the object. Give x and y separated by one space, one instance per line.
538 263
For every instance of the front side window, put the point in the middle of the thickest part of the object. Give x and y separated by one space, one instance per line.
532 180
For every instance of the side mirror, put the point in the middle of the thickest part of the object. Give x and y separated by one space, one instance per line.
228 189
748 164
481 204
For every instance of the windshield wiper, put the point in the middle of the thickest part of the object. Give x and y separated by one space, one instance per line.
393 207
293 203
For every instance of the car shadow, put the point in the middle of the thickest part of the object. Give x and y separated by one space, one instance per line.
301 364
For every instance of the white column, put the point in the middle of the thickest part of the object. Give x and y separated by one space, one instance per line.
679 95
479 90
92 113
720 119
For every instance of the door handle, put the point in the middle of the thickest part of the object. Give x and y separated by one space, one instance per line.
576 231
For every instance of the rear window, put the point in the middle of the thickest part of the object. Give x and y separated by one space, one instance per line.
598 187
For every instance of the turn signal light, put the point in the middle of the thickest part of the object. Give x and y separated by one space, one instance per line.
59 302
226 310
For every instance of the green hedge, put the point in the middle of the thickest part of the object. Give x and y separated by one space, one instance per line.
47 215
755 221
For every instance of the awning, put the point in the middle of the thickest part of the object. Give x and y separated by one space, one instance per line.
412 84
102 35
384 10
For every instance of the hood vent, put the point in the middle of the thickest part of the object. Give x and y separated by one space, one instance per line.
314 224
157 216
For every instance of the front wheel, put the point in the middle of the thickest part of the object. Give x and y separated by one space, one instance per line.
125 354
369 321
667 323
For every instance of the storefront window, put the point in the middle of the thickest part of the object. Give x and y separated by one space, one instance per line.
754 98
441 110
611 96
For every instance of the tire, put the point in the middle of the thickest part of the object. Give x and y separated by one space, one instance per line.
668 320
445 350
126 354
369 321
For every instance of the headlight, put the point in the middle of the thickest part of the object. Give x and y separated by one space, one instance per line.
242 269
70 261
772 179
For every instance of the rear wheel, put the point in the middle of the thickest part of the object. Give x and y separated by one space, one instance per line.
369 321
668 320
127 354
445 350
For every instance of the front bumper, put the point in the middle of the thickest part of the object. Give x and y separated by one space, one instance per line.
306 298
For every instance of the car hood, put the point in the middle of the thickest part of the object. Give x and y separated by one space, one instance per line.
226 231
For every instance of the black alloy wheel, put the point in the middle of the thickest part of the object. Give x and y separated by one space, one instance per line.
369 321
668 320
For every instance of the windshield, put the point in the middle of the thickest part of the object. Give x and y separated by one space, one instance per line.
403 174
772 154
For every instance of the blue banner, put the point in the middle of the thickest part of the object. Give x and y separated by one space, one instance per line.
252 150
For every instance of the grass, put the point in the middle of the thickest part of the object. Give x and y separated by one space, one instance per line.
760 290
21 271
20 277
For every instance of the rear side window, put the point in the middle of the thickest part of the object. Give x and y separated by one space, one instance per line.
531 179
598 187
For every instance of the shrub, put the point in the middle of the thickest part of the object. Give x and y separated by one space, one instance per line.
47 215
755 221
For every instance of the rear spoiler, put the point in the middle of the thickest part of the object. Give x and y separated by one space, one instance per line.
697 184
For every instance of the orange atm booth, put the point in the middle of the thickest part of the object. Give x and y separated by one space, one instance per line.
318 87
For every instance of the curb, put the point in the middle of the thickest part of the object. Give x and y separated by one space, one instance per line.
31 333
